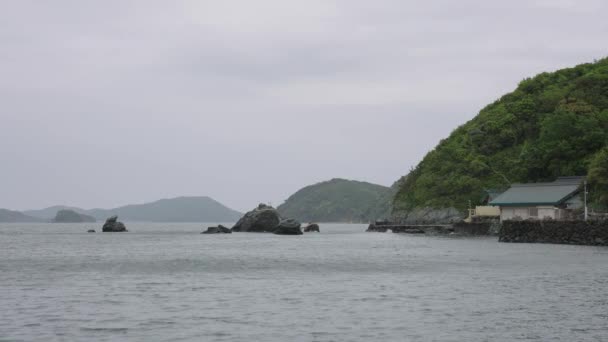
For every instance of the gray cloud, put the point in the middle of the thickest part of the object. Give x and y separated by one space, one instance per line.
104 103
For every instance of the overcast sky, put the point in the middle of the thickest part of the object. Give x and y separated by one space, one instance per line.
105 103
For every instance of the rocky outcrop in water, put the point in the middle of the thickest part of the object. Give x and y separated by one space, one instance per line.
263 219
266 219
113 225
288 227
313 227
218 230
91 231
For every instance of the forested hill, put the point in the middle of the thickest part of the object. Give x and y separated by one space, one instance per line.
339 200
554 124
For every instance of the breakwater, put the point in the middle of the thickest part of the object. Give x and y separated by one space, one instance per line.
559 232
481 228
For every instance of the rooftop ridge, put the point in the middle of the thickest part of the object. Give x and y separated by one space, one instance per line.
531 185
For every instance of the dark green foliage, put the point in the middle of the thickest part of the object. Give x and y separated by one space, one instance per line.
552 125
338 200
598 178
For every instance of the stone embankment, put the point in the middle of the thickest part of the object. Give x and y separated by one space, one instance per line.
594 233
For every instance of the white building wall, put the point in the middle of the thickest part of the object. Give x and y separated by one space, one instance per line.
510 213
547 212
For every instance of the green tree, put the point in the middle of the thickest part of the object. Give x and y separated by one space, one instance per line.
598 177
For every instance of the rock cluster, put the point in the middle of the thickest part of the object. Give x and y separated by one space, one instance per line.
266 219
218 230
112 225
559 232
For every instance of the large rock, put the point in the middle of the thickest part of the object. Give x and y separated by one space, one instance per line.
313 227
289 227
262 219
112 225
218 230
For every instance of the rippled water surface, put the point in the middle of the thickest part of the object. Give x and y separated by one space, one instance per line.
167 282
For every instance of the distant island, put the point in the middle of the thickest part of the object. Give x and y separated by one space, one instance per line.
11 216
180 209
339 200
70 216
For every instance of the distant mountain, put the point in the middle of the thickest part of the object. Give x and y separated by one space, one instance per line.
70 216
181 209
339 200
16 216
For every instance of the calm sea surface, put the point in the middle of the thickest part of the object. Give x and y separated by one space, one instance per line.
163 282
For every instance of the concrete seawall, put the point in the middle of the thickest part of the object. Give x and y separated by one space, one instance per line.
481 228
593 233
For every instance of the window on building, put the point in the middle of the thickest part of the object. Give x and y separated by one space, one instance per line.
533 212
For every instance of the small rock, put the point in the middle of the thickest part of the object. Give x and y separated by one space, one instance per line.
218 230
313 227
91 231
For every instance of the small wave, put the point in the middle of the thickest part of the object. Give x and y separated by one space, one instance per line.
111 330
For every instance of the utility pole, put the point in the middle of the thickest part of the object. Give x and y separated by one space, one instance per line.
586 210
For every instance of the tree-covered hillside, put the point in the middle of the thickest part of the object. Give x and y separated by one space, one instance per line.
338 200
554 124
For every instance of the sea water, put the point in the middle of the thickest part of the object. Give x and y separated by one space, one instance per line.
162 282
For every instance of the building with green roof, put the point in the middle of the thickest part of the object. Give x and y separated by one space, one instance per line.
555 200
